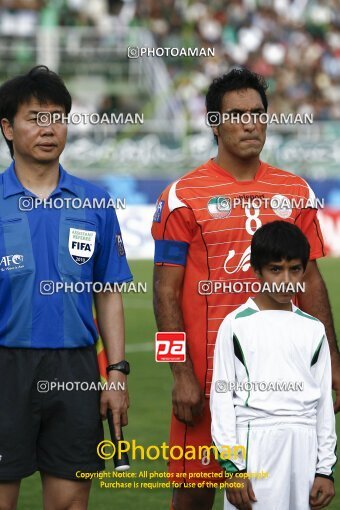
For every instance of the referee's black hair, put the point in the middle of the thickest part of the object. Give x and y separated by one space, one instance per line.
41 83
276 241
236 79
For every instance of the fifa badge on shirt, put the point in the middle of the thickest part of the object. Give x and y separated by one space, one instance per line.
158 214
81 244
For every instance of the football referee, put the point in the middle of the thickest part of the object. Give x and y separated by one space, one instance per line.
50 406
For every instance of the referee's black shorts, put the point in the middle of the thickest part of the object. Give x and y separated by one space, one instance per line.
55 431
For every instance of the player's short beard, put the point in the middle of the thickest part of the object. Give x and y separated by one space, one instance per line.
244 156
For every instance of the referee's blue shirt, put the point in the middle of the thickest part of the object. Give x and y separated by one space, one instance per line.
49 244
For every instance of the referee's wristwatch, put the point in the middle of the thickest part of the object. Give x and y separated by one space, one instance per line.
122 366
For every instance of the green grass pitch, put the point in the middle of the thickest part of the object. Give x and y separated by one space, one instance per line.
150 395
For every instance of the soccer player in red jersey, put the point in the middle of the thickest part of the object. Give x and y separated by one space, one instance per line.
203 226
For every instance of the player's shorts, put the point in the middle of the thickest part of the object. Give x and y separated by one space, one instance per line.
55 431
288 454
198 436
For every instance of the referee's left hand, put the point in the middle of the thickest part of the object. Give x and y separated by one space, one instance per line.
117 400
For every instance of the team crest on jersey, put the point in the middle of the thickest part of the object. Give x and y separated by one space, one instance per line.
281 206
219 206
81 244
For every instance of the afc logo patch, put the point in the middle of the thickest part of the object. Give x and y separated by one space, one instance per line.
120 245
159 209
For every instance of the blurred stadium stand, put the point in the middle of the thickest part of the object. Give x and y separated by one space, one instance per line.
295 44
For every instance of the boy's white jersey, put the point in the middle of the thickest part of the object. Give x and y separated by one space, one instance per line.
272 365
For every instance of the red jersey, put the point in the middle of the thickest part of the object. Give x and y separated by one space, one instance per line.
203 222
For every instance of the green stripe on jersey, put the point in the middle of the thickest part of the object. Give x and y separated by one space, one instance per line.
247 445
303 314
245 313
336 458
317 352
228 464
240 356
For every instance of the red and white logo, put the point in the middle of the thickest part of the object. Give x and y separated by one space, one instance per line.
170 346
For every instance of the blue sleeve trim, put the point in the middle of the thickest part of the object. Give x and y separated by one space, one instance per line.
123 279
171 252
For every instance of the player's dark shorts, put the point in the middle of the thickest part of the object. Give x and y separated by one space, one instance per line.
55 431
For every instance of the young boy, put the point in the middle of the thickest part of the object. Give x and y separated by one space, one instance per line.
271 389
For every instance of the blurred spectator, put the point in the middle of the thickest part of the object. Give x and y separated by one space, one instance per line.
22 4
295 44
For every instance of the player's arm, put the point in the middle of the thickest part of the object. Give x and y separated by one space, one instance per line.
187 395
223 417
323 487
172 230
315 300
110 320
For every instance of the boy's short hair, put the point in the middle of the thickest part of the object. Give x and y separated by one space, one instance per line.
41 83
276 241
